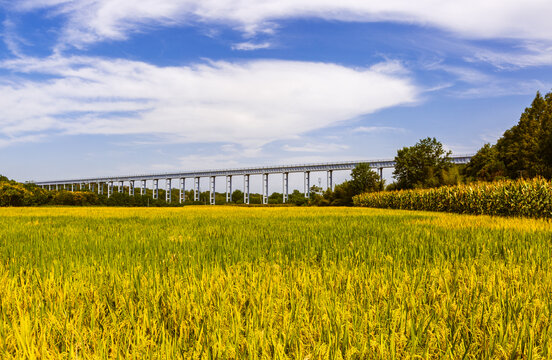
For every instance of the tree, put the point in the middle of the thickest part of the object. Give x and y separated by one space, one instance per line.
12 194
297 197
485 165
364 179
421 165
518 147
524 150
237 197
342 195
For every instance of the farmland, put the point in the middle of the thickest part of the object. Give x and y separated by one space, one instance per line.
299 283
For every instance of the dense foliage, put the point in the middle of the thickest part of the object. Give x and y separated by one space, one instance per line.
364 179
531 198
422 165
17 194
525 150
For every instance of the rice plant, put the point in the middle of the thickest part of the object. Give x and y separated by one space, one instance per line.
272 283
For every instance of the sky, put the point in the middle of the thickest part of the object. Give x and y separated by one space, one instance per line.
93 88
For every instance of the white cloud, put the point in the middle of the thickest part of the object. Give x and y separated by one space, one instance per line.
96 20
5 142
316 148
377 129
247 103
248 46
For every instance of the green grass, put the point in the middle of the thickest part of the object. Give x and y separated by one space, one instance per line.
247 283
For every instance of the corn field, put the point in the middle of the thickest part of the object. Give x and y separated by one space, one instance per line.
528 198
272 283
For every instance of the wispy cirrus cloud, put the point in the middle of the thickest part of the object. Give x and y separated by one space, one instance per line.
10 37
90 21
248 103
248 46
316 147
377 129
528 54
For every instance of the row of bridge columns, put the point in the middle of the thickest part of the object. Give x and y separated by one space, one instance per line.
196 190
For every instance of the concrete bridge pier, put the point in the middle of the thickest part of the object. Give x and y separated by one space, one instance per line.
228 188
143 188
168 190
285 187
329 180
131 187
212 190
196 188
155 189
307 184
182 194
265 188
246 189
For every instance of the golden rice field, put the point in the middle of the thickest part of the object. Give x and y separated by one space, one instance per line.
272 283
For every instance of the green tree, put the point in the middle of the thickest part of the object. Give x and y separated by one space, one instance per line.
237 197
518 147
524 150
342 195
364 179
275 198
12 194
297 197
485 165
421 165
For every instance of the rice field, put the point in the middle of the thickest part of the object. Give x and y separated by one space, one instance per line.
272 283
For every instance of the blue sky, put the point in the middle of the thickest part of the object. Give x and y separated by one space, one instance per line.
100 87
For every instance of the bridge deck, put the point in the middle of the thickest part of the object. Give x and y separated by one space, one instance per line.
334 166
